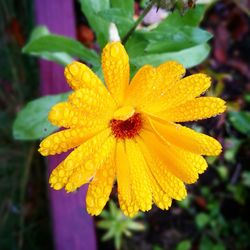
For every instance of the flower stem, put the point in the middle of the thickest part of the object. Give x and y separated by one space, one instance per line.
138 21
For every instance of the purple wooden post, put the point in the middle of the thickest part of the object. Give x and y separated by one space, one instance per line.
73 228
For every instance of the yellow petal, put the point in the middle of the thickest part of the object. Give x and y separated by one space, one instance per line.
186 138
182 164
184 90
149 83
100 187
64 140
171 72
65 115
169 183
79 76
196 109
78 158
85 168
140 183
92 104
115 67
125 195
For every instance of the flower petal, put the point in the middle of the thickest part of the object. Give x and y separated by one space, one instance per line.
93 104
196 109
100 187
89 165
186 138
182 164
125 195
79 76
184 90
170 184
140 183
66 115
115 67
171 72
149 83
64 140
81 158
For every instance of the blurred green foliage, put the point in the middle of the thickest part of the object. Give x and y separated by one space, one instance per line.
215 210
117 225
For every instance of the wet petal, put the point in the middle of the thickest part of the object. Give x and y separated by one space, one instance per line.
115 67
184 90
92 104
66 115
100 187
140 183
169 183
186 138
149 83
64 140
125 194
182 164
196 109
78 159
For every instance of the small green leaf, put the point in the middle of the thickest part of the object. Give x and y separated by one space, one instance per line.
232 149
175 39
241 121
246 178
201 220
136 226
184 245
47 45
223 172
188 57
32 121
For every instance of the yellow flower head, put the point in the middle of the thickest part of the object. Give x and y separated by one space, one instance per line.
129 132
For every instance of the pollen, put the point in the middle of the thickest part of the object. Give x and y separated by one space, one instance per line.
127 129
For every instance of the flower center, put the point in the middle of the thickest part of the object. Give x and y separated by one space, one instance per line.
127 129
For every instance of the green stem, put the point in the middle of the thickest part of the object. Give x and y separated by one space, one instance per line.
138 21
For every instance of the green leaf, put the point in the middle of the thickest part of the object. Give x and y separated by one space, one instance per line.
118 17
32 121
184 245
176 39
136 226
223 172
192 17
234 145
118 240
201 220
46 45
188 57
246 178
240 121
126 5
90 8
58 57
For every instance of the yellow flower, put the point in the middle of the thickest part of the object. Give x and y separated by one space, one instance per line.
128 132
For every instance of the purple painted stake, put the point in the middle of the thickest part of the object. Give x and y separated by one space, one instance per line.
73 228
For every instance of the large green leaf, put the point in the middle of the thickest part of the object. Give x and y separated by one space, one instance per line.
175 39
32 121
188 57
58 48
241 121
90 8
118 17
126 5
192 17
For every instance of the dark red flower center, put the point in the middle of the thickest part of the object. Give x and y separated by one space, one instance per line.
126 129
